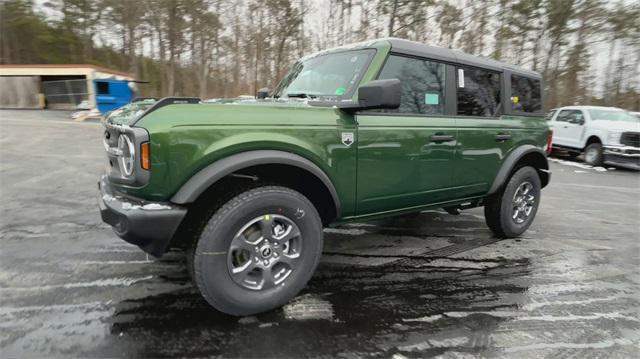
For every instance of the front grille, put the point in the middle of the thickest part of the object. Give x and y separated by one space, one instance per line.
630 139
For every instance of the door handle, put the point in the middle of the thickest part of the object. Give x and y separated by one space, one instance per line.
501 137
437 138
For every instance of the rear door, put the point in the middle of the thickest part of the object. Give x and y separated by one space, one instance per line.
485 135
405 156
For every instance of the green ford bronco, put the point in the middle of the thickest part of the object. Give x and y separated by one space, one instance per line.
369 130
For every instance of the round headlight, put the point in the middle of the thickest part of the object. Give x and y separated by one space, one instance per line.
127 156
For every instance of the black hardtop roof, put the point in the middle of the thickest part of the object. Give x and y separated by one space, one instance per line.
438 53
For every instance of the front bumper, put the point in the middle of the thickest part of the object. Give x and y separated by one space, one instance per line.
149 225
623 156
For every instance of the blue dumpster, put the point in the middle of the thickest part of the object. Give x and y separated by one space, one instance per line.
112 94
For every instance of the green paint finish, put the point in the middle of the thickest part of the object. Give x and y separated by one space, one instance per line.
187 138
399 165
395 164
478 154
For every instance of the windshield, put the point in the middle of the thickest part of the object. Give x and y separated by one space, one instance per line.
333 74
608 115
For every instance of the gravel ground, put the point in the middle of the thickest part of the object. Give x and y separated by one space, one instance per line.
416 286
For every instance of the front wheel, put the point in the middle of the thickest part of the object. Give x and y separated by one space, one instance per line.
593 154
509 213
257 251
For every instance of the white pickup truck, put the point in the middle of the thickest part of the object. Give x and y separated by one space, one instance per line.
604 134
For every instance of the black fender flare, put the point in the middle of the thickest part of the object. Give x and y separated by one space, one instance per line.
201 181
512 160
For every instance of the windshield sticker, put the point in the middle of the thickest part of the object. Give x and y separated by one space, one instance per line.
431 99
340 91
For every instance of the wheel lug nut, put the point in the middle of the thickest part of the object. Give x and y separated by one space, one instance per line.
266 263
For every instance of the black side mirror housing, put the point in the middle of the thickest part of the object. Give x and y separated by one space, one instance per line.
262 93
377 94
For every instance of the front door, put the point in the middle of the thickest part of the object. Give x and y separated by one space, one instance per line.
406 156
568 128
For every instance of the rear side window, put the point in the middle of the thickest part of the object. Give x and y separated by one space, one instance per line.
478 92
422 81
526 95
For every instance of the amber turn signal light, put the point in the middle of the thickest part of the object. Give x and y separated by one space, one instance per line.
144 155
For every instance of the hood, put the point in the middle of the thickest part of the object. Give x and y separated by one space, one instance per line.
129 113
618 126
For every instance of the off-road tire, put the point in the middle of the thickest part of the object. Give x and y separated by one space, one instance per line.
208 259
498 208
598 158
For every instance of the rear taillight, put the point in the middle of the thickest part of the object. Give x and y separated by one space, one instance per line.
549 141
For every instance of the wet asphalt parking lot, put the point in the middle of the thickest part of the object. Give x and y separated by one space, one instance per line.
415 286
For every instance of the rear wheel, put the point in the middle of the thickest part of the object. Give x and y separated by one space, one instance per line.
510 212
257 251
593 154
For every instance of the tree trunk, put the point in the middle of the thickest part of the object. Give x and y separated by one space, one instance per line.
392 18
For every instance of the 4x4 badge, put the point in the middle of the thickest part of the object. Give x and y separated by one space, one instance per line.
347 138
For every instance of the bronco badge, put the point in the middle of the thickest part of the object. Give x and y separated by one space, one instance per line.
347 138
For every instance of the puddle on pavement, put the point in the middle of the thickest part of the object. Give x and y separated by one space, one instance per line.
430 303
344 309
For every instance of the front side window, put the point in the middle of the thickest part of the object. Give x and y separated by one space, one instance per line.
330 75
571 116
525 94
422 84
478 92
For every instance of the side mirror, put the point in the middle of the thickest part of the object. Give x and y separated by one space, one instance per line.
262 93
377 94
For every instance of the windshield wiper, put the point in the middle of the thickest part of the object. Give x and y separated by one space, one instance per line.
301 95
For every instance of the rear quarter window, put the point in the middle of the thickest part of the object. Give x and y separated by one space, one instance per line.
526 94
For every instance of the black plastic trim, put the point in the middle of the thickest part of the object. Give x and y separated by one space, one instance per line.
512 159
209 175
149 228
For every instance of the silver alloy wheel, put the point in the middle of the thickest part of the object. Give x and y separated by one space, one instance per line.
591 155
523 201
264 252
